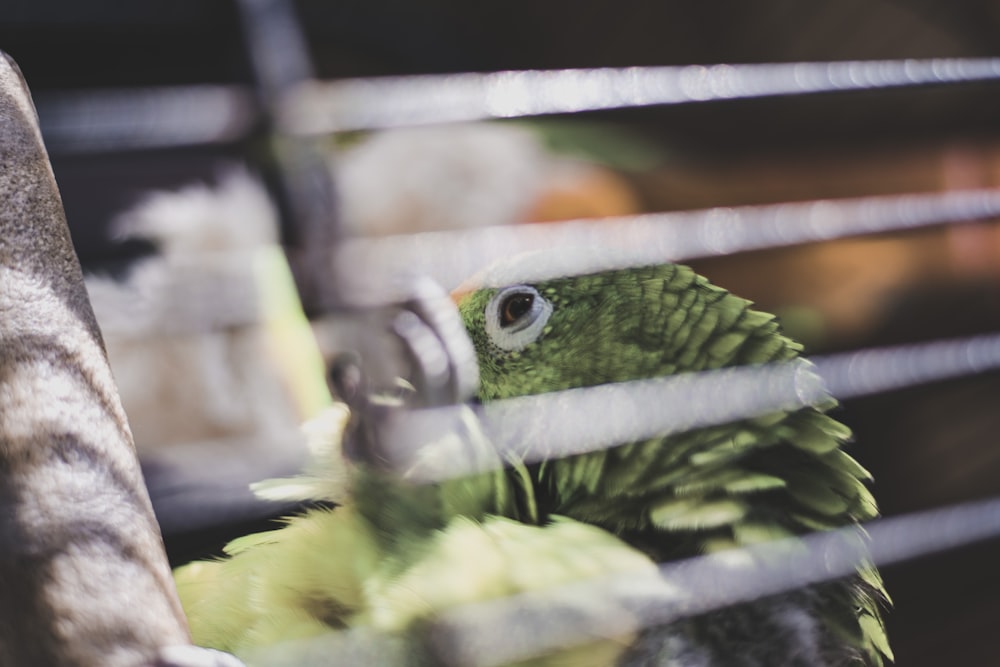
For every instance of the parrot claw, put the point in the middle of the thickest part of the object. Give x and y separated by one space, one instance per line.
194 656
437 367
444 369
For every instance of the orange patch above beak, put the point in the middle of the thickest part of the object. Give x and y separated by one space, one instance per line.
465 289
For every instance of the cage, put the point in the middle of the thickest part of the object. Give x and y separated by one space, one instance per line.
834 163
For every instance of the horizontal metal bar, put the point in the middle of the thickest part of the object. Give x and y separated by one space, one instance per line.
129 119
196 485
375 270
174 116
560 424
215 290
320 107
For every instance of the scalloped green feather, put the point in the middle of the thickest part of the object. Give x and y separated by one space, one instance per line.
755 532
755 482
874 629
689 514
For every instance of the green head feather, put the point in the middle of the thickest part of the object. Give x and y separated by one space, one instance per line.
612 327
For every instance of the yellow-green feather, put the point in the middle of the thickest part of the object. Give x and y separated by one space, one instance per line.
327 571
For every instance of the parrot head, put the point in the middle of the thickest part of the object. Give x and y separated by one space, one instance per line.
612 327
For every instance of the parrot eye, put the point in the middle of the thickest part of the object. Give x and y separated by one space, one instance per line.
514 308
516 316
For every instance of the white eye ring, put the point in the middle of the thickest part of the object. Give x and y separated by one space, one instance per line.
515 317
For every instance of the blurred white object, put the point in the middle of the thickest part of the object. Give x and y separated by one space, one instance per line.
233 216
446 177
213 356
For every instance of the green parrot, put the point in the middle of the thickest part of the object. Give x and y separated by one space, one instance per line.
397 554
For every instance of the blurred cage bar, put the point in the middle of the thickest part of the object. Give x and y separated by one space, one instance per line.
850 188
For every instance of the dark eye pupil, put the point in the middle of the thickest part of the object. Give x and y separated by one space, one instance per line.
514 308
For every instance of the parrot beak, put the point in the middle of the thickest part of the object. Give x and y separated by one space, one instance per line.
462 291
